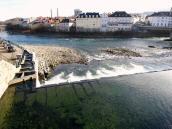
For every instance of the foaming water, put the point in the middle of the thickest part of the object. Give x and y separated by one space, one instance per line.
100 73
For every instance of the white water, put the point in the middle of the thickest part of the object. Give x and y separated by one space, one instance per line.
100 73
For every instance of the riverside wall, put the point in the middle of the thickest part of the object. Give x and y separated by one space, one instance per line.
7 73
171 35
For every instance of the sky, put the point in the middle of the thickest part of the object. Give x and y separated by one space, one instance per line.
33 8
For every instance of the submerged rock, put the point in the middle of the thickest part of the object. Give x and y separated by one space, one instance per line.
169 48
151 46
121 52
168 39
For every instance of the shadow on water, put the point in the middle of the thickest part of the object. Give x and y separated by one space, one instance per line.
75 92
105 104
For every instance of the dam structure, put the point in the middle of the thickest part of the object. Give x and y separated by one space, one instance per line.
18 67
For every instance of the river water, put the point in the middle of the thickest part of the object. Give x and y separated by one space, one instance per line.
138 102
101 64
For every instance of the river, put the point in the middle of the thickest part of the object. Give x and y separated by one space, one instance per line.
101 64
140 101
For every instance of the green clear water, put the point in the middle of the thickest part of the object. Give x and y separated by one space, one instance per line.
140 101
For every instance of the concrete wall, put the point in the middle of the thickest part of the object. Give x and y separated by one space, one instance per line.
171 35
7 73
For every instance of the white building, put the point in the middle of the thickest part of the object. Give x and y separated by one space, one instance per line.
119 21
104 20
136 17
160 19
88 22
77 12
94 22
64 25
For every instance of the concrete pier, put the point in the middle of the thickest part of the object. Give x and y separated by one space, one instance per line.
171 35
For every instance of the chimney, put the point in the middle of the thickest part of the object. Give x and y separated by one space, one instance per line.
51 13
57 12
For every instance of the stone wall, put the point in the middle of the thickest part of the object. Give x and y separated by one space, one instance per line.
7 73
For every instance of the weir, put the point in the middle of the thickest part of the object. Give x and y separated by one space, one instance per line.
22 73
171 35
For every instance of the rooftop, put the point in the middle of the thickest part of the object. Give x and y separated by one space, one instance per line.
120 14
65 21
89 14
160 14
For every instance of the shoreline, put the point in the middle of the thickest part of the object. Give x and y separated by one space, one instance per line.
119 34
50 57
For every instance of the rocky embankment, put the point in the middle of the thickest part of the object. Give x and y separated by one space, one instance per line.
121 52
50 57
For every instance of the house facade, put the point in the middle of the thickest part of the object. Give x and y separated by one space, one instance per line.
88 22
160 19
104 20
119 21
95 22
64 25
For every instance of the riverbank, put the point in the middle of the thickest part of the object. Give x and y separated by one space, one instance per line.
117 34
50 57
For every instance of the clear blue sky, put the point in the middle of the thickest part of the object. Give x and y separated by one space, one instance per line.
33 8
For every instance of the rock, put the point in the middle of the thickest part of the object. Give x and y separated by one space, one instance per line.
169 48
151 46
168 39
121 52
52 56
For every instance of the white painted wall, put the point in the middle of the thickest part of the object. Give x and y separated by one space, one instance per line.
159 21
104 24
64 27
88 24
104 20
119 24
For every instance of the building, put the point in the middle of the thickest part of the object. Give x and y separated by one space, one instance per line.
136 17
77 12
64 25
88 22
104 20
160 19
171 20
119 21
31 19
